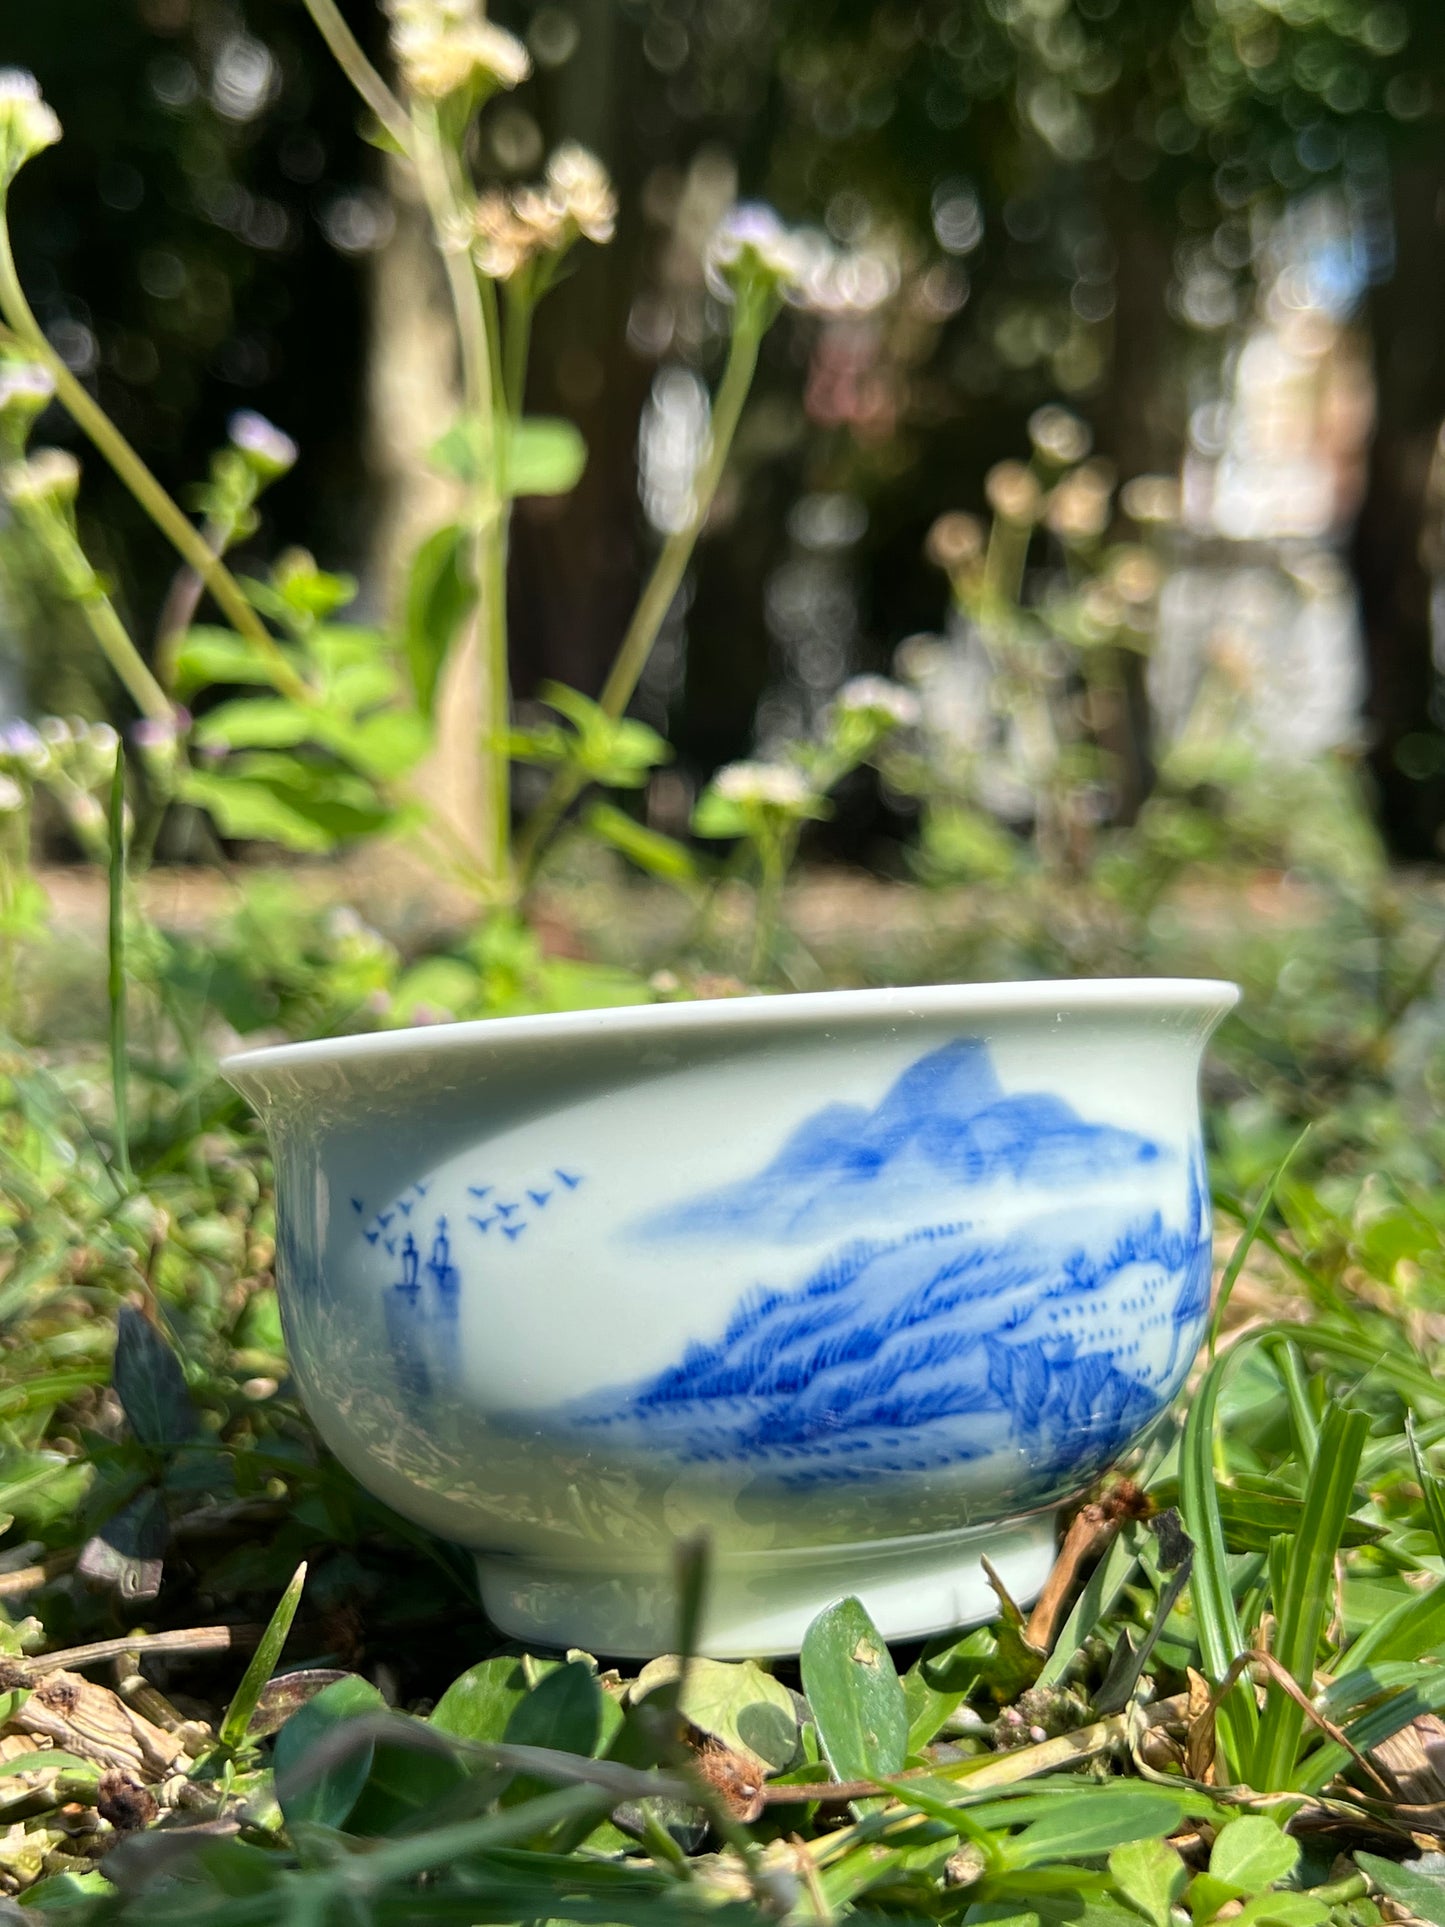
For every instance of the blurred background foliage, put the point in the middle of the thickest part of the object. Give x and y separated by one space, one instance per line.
1212 227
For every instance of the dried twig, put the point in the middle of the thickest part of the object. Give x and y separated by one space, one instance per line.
184 1639
1090 1534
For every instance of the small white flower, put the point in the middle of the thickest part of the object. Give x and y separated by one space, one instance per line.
55 733
579 187
12 797
27 124
101 740
270 451
442 48
25 387
775 784
876 696
49 476
751 244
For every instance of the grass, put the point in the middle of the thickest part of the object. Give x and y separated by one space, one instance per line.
276 1702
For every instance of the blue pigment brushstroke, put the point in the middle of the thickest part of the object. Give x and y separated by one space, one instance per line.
422 1318
901 1355
945 1124
917 1344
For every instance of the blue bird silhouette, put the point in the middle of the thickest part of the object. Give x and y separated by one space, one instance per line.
371 1236
404 1208
391 1246
420 1188
479 1190
506 1210
384 1218
570 1182
357 1206
539 1198
514 1230
482 1224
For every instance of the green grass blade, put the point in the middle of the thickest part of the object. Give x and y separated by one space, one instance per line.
263 1664
1221 1640
1245 1242
1431 1486
1303 1608
1414 1627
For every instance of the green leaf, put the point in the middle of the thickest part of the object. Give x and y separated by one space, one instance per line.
382 746
1420 1894
257 722
1150 1874
1251 1853
439 598
1221 1640
149 1383
324 1798
545 456
210 655
736 1702
1306 1600
660 856
478 1704
855 1696
563 1711
1076 1828
1432 1487
928 1708
253 812
263 1663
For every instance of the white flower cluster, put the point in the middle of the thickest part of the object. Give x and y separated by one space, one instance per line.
58 746
773 785
443 46
751 245
575 199
48 478
876 697
27 124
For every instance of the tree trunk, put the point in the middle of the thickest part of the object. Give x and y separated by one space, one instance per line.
1393 546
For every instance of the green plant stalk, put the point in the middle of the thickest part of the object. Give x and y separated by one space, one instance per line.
115 975
666 578
102 432
346 51
487 524
78 581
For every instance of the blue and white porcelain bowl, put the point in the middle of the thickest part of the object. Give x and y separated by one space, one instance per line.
861 1284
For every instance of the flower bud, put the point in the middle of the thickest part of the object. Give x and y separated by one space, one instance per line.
1059 436
444 48
774 785
881 701
1013 493
50 478
578 186
751 248
955 541
268 452
26 389
27 125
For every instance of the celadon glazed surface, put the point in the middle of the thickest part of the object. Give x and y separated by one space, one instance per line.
860 1284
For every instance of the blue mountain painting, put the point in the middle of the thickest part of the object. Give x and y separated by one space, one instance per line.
904 1352
946 1123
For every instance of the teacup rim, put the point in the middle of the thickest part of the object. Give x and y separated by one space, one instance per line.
1209 998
